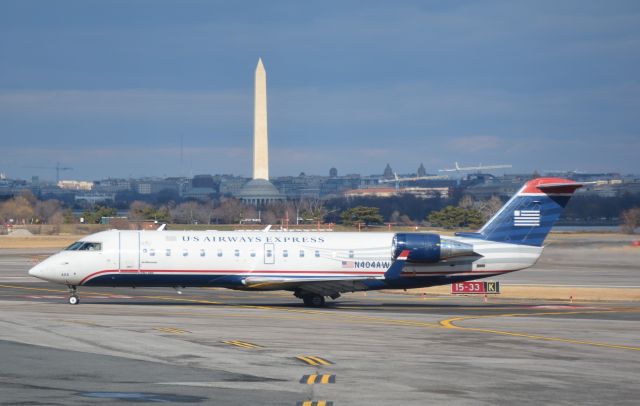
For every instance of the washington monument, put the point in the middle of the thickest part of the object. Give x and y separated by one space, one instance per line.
259 191
260 132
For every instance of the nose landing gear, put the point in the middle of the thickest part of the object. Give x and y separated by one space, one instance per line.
73 296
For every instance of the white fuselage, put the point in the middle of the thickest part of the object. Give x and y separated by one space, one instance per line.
199 257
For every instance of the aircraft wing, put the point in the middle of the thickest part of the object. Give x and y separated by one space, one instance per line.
323 285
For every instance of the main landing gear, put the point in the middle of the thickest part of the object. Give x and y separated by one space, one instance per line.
313 300
73 296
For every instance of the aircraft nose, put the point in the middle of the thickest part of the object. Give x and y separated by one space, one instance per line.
37 270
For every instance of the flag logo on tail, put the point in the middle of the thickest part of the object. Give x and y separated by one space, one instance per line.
526 218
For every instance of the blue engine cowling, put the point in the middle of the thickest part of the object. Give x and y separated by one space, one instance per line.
428 248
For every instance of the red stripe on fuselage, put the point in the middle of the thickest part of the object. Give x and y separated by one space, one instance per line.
227 272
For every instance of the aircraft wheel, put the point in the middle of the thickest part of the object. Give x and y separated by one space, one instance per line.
74 300
313 300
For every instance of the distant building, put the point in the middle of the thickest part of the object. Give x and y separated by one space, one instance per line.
153 186
75 185
333 173
204 181
377 192
299 187
421 192
388 172
231 185
12 187
483 186
201 187
94 198
112 185
421 171
336 186
427 192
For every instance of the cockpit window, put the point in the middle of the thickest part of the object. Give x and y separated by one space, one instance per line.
90 246
84 246
74 246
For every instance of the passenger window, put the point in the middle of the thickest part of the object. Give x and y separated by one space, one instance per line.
219 253
301 253
317 254
269 253
168 252
236 253
202 253
252 253
285 253
185 253
152 252
351 254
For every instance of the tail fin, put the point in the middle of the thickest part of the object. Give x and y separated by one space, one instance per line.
529 215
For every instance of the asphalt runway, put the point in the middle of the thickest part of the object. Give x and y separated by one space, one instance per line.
589 261
214 346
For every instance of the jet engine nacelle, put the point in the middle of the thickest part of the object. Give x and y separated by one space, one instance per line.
428 248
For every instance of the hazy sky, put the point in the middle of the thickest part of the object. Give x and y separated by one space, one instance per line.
110 87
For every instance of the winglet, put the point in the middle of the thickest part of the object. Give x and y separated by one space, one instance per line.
395 269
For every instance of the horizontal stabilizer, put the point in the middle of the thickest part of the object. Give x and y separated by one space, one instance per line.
560 187
468 234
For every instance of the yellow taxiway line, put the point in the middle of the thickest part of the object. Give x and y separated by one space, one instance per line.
450 324
313 360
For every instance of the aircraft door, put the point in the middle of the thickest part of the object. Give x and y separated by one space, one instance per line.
129 251
269 253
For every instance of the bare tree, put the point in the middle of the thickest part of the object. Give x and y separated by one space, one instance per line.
467 202
269 217
44 211
630 220
487 208
312 210
138 210
281 211
406 221
490 207
230 211
192 212
18 209
395 217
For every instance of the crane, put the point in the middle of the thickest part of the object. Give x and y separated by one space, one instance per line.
396 179
57 168
480 167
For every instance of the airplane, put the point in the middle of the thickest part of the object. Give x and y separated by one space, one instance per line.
314 265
